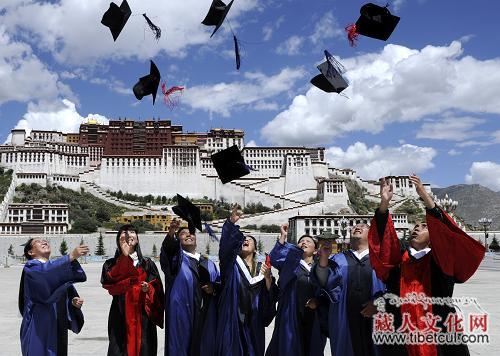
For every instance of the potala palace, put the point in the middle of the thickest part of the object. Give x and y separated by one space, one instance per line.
156 157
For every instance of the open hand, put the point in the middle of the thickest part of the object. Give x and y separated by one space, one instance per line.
369 310
208 288
145 287
312 303
422 193
77 302
236 214
173 227
386 193
78 252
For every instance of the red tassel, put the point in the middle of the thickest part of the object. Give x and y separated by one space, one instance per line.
352 35
268 261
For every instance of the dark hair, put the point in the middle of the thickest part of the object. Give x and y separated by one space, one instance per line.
126 228
254 240
20 301
183 228
27 248
315 240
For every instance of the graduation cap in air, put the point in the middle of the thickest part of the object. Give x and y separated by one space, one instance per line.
229 164
326 236
116 17
216 14
375 22
148 84
189 212
330 80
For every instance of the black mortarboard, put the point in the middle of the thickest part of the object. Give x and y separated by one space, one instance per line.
330 80
116 18
229 164
148 84
376 22
189 212
327 236
216 14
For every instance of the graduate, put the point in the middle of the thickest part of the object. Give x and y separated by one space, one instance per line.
352 285
440 254
191 282
48 301
137 307
297 330
247 301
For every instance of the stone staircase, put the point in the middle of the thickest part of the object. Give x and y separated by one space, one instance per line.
86 180
8 197
267 193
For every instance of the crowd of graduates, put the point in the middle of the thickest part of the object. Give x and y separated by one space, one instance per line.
208 310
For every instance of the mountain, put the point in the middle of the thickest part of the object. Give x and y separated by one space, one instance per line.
474 202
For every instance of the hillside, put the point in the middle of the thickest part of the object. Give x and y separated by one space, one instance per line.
474 202
86 212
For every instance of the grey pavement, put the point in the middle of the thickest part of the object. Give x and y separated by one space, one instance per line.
92 340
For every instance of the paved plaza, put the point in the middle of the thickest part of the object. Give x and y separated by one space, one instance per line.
92 340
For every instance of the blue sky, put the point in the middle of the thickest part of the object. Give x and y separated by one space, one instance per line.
425 101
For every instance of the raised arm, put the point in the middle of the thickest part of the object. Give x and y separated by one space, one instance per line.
230 242
385 248
456 253
171 253
280 251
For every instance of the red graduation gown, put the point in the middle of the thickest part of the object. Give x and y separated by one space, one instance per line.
454 257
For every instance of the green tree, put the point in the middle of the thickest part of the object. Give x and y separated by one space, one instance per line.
260 246
494 246
155 251
82 226
277 206
100 251
10 251
63 248
102 215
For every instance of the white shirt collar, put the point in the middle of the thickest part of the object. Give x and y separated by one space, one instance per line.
246 273
39 259
195 255
305 265
134 258
360 255
419 254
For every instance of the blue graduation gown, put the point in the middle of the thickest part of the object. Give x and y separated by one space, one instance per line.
46 285
296 328
341 310
245 309
190 313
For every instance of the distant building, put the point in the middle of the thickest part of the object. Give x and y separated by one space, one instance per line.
159 218
36 219
156 157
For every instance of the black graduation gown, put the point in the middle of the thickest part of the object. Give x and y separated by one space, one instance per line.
122 280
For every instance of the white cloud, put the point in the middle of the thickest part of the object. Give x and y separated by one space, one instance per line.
63 117
72 32
454 152
251 143
484 173
256 89
269 28
375 162
450 128
23 77
291 46
398 84
327 27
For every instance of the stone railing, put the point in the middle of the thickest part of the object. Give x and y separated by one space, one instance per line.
7 199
